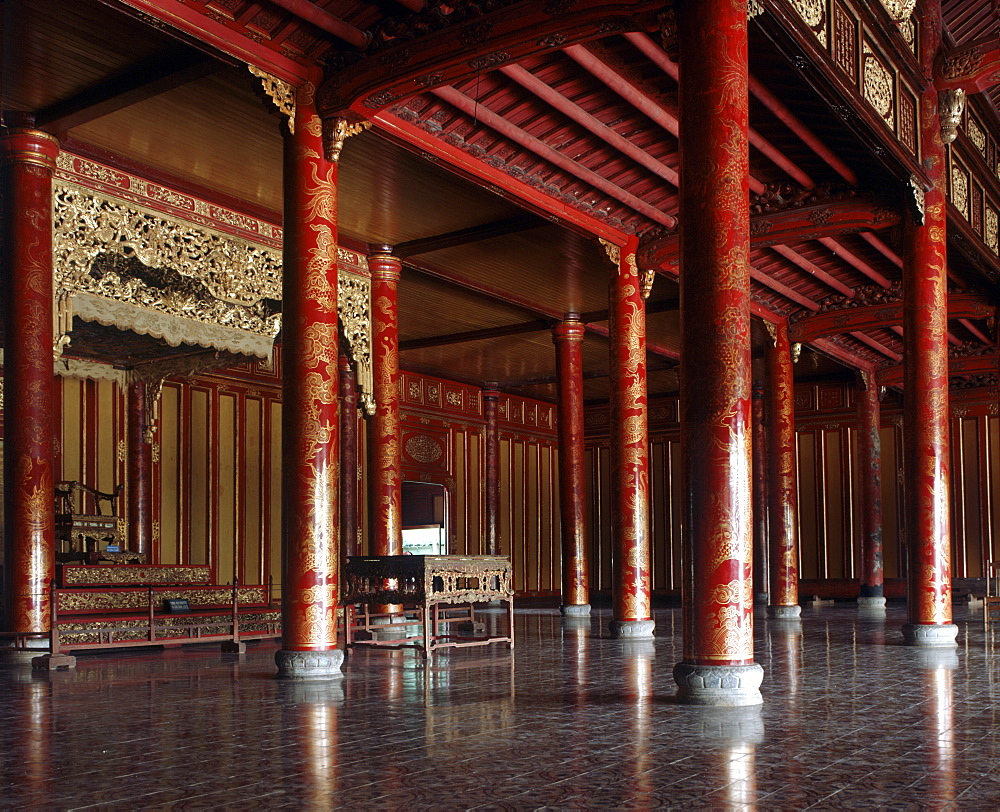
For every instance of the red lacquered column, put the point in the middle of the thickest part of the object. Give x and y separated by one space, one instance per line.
491 396
925 380
568 338
387 528
870 467
718 666
761 564
629 454
311 571
348 459
140 462
783 516
29 390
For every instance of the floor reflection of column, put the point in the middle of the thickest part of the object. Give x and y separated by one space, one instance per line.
27 777
315 712
940 722
639 656
734 733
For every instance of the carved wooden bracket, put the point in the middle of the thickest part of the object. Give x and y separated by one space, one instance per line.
851 317
781 219
972 67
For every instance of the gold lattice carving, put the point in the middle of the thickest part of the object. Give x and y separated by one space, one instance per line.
234 277
879 87
279 92
899 10
960 190
976 134
354 296
813 14
613 251
992 232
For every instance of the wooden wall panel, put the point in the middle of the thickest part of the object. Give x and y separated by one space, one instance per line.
251 516
197 443
226 488
171 480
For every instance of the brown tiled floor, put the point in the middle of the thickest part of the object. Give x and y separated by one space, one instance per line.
852 719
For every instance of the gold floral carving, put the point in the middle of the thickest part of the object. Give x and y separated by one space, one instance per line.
613 251
280 93
423 449
951 104
354 295
976 134
991 231
960 190
813 14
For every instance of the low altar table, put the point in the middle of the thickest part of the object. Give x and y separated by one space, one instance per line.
442 588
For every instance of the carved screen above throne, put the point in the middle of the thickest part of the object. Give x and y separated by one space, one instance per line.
127 257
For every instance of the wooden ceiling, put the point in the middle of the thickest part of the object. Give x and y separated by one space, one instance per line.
577 135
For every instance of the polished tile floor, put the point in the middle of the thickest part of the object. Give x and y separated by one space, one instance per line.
572 719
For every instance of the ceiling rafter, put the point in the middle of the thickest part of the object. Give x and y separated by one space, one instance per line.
497 122
464 236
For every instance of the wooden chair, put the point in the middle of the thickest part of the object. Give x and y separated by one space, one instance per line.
991 601
84 533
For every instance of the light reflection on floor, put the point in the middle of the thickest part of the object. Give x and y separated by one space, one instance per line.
571 719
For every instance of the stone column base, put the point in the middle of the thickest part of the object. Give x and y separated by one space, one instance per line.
719 685
874 602
792 612
930 634
309 665
575 609
632 629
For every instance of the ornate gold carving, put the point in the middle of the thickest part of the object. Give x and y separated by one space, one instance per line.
960 190
917 195
951 103
280 93
991 233
423 449
336 131
754 9
813 14
354 296
613 251
135 574
796 350
879 88
772 330
215 279
122 450
899 10
976 134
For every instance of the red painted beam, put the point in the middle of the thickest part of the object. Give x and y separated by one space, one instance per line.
325 21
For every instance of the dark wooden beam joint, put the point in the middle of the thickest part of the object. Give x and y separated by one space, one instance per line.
786 215
138 82
421 54
487 231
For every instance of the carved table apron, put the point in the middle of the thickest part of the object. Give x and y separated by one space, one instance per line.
443 589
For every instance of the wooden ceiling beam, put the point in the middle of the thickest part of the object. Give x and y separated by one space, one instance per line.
143 80
985 364
325 21
464 236
812 269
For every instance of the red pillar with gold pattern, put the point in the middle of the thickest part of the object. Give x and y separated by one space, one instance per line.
140 465
310 470
925 378
870 467
491 397
783 515
349 541
718 666
631 599
387 466
568 337
29 390
761 562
